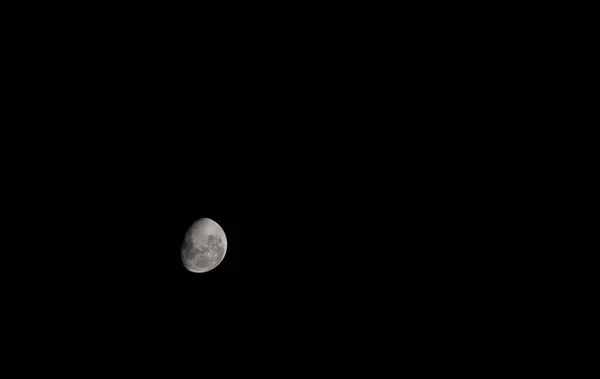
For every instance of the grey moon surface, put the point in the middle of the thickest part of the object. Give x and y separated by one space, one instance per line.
204 246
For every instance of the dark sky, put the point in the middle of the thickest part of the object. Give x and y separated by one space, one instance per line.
317 222
349 201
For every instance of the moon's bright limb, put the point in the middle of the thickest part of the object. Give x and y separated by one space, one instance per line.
204 246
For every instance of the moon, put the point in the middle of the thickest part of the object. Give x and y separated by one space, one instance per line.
204 246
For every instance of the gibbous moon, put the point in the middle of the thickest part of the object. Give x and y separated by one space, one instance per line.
204 246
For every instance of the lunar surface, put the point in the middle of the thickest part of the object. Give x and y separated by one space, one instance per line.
204 246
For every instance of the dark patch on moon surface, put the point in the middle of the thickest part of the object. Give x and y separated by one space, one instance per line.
214 242
189 254
188 244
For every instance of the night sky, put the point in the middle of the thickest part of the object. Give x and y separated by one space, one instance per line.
351 201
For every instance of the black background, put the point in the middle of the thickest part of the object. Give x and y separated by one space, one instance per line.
355 203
